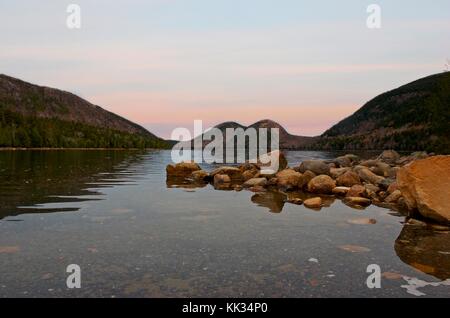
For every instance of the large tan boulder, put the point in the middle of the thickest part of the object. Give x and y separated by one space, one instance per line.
348 179
425 186
322 184
288 179
182 169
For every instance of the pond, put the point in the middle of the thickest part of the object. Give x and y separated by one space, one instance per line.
135 235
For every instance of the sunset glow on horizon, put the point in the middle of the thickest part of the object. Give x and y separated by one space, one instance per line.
166 63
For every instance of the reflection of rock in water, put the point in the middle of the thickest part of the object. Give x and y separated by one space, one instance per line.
425 249
176 182
272 200
31 178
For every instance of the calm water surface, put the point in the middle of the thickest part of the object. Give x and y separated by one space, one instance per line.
135 235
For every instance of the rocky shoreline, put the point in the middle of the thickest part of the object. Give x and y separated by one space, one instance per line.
417 185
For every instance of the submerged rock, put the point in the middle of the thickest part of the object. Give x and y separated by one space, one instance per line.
362 221
322 184
425 186
354 248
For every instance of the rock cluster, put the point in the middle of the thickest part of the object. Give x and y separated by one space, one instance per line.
419 182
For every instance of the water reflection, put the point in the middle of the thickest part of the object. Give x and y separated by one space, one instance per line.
184 184
274 201
425 249
211 235
31 180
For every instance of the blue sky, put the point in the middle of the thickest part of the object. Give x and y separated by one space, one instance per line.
164 63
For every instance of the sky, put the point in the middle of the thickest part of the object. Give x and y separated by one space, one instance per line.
166 63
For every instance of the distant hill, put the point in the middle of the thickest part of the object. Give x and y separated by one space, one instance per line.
36 116
287 141
415 116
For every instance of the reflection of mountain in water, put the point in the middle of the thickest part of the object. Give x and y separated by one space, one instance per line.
425 249
31 178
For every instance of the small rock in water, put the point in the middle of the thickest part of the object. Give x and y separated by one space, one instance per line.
314 203
9 249
254 182
362 221
357 201
354 248
341 191
391 275
296 201
257 189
